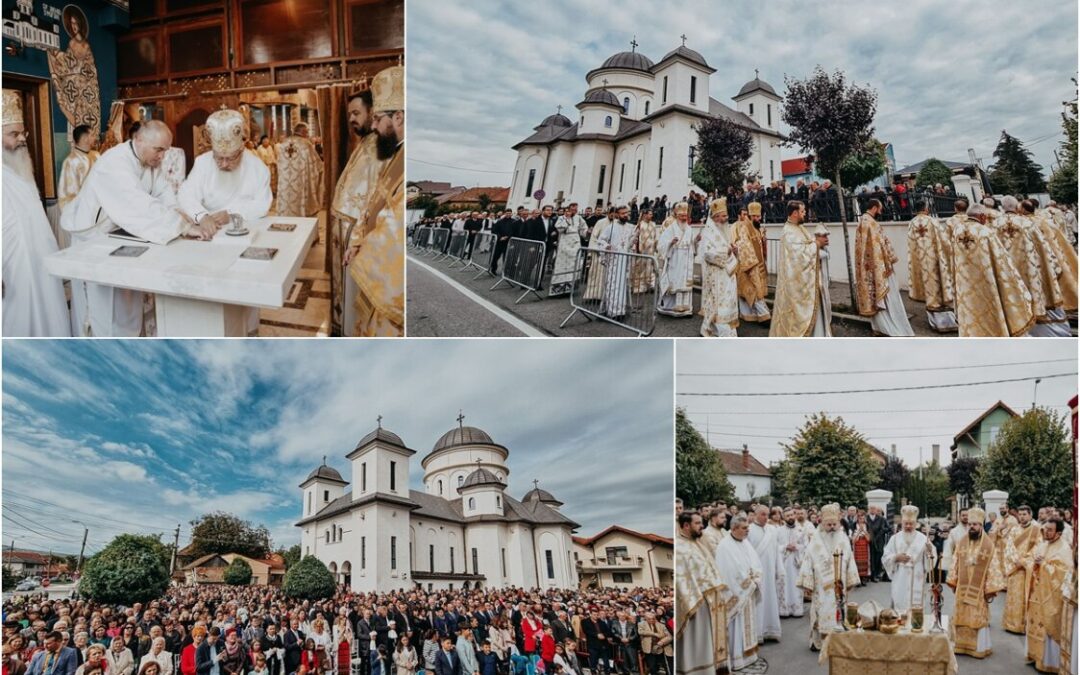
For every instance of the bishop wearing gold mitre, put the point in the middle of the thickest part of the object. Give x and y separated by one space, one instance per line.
975 576
376 256
700 602
1021 540
752 276
1048 565
991 298
350 197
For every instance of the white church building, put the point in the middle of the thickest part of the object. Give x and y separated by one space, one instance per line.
636 133
461 531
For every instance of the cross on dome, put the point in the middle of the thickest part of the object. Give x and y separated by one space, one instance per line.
460 419
324 460
683 37
558 108
536 483
379 419
756 76
634 44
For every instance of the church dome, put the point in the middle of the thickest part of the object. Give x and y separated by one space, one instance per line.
688 54
481 477
542 496
462 436
325 472
557 120
628 61
756 84
381 434
601 96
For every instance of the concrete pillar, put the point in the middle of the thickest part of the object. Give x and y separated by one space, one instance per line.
993 499
880 499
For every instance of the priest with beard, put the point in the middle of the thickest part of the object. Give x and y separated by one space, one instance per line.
350 196
765 542
503 229
377 261
803 306
908 557
1048 566
615 239
976 577
740 568
719 263
1021 540
33 300
817 575
791 540
700 602
676 256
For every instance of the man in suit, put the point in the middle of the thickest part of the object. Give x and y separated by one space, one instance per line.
850 520
595 640
879 537
561 628
380 623
655 642
516 617
208 655
441 623
503 229
55 659
271 642
624 633
293 641
446 660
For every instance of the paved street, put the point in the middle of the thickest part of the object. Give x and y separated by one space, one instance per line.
438 307
792 654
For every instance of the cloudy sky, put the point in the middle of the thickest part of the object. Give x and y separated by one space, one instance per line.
908 419
950 75
139 436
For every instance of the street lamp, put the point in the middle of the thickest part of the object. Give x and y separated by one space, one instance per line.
1035 393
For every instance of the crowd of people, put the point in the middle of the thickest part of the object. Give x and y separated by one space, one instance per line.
741 571
257 630
139 188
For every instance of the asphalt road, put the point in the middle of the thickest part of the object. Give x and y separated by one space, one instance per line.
792 654
437 309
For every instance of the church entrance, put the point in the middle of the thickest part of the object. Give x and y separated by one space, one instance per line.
346 574
38 122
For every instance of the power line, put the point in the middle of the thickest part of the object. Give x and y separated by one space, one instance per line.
841 412
866 372
792 436
883 389
860 429
459 168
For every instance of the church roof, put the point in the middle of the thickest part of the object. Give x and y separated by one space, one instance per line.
627 128
325 473
628 61
756 84
686 53
600 97
556 120
381 435
542 496
480 477
461 435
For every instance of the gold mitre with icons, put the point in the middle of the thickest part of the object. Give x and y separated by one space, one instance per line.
388 90
13 112
225 131
717 206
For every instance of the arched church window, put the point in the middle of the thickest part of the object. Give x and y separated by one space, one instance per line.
498 501
440 487
328 536
646 107
626 105
607 121
472 503
460 480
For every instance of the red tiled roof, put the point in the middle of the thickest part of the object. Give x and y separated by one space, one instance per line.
733 464
497 195
655 538
795 166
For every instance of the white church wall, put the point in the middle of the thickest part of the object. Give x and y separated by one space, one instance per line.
520 558
534 159
482 501
559 177
589 157
486 539
676 135
464 459
618 81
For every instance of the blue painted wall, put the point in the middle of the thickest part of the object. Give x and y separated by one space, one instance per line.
105 23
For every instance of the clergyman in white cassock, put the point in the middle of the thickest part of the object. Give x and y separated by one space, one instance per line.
792 541
764 539
227 180
126 189
676 255
719 263
817 574
34 304
907 559
615 239
740 569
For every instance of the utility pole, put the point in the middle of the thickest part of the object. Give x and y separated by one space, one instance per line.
175 548
82 551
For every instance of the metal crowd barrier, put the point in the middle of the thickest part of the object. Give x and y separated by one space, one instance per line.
524 266
439 239
456 248
620 288
482 252
421 237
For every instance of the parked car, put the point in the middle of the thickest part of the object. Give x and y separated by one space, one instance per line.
27 585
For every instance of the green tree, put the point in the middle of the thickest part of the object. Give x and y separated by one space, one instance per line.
699 473
832 120
932 173
1030 459
309 580
1014 172
291 555
928 488
484 201
130 569
722 155
962 473
238 573
893 477
829 462
221 532
862 166
780 480
1063 185
10 578
426 202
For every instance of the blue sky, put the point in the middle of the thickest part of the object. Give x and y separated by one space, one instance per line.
137 436
950 75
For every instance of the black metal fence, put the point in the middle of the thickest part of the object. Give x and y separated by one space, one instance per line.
524 266
826 208
456 249
483 249
616 287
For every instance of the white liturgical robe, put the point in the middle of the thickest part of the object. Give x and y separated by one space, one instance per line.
676 251
119 192
907 577
792 542
817 576
615 238
772 578
244 190
740 569
34 304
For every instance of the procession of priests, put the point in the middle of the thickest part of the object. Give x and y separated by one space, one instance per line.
739 573
126 188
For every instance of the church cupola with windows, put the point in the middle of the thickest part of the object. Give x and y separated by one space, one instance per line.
760 102
482 493
458 453
600 112
682 79
322 486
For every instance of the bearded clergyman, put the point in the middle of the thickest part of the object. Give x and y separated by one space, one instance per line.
719 262
1021 540
907 559
976 577
828 549
34 304
676 256
803 307
763 535
741 571
700 594
1048 565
